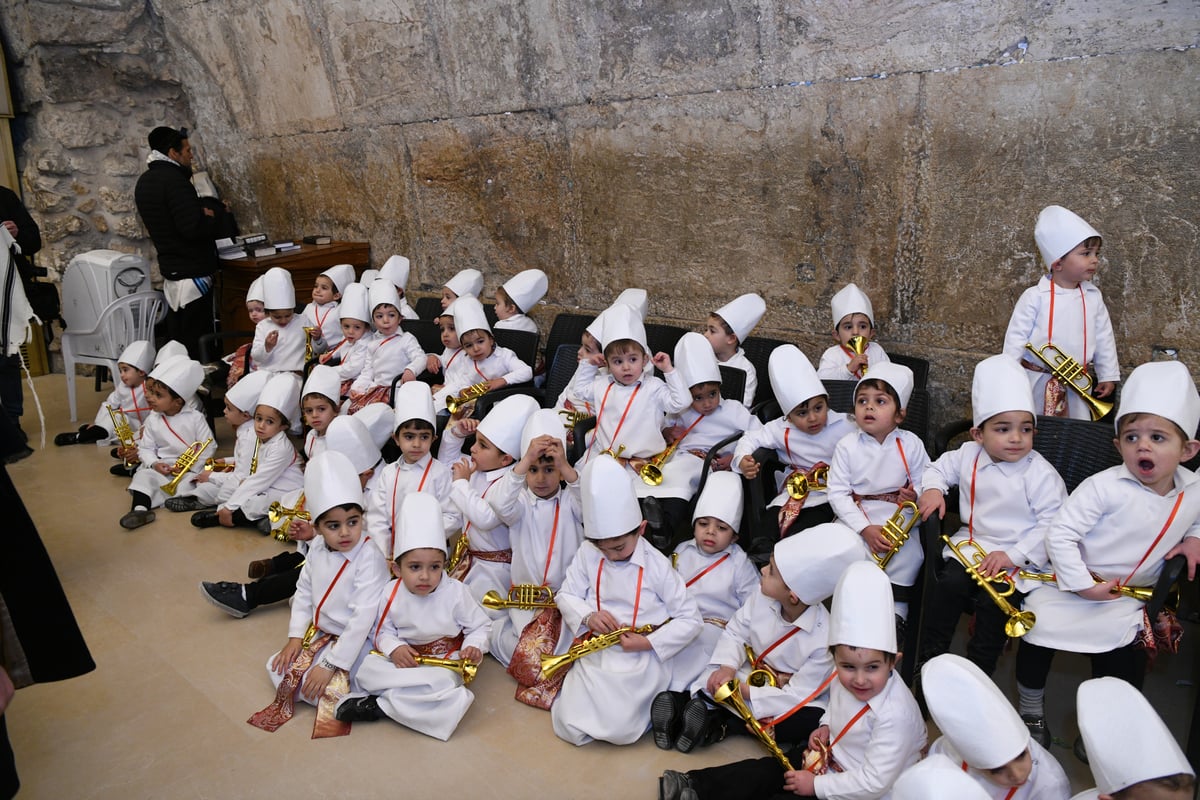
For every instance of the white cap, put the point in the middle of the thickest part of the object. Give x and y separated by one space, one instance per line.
342 276
139 354
851 300
323 380
396 269
468 283
1126 741
468 315
864 613
811 561
1164 388
937 778
1058 231
282 393
959 696
596 326
171 349
354 304
793 378
330 481
413 400
622 322
897 376
183 375
637 299
742 314
368 277
255 292
382 292
379 419
695 360
999 386
610 506
721 498
544 421
419 524
350 437
278 291
526 288
244 394
504 423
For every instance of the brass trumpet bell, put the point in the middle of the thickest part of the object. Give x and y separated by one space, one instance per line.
553 663
896 529
858 344
471 393
277 512
465 669
798 484
1019 622
1073 375
524 595
729 695
651 472
761 676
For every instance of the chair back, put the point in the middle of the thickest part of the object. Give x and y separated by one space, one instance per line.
663 338
523 343
733 383
758 351
566 329
1076 448
562 369
428 308
919 367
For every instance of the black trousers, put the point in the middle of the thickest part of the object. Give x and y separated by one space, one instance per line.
12 396
1127 663
953 593
186 325
757 778
279 585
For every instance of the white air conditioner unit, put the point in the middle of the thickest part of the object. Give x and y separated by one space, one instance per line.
95 279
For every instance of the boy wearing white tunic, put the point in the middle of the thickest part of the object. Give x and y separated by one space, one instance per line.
726 329
396 270
423 613
853 316
279 340
319 401
322 313
617 581
517 297
128 397
351 353
392 352
483 360
465 283
1115 531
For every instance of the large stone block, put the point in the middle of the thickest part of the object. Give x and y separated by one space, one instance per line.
93 76
101 22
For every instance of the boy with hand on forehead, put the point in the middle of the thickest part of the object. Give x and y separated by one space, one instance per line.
279 340
852 316
726 329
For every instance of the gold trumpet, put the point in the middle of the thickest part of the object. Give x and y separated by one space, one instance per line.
309 350
552 664
122 431
651 472
858 345
183 464
571 417
1019 622
799 484
467 395
218 465
1073 374
523 595
760 676
465 669
729 695
278 512
459 553
896 530
608 451
1143 593
254 458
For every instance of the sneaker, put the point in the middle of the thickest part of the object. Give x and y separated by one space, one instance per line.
226 596
206 519
701 726
1037 728
675 786
665 716
137 518
184 504
358 709
260 569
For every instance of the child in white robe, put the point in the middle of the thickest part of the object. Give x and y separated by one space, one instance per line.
279 340
321 315
726 329
517 297
485 362
319 400
392 352
127 399
395 270
349 356
853 316
466 283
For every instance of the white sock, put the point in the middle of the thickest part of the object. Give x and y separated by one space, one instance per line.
140 508
1031 701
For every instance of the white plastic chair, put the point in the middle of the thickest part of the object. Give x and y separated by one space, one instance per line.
123 321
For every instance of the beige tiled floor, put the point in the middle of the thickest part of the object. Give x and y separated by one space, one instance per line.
164 713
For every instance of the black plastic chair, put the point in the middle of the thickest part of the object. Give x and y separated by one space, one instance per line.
562 370
566 329
210 351
428 308
663 338
733 383
919 367
523 343
758 351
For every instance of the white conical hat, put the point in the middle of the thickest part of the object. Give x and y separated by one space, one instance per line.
526 288
721 498
469 315
610 506
278 291
368 277
244 394
793 378
1164 388
330 481
282 393
382 292
396 270
139 354
1058 231
419 524
936 778
695 360
413 400
851 300
325 381
622 322
504 423
1126 741
864 612
181 373
898 376
354 304
544 421
256 291
959 695
379 419
468 283
999 386
168 351
637 299
742 314
811 561
350 437
342 276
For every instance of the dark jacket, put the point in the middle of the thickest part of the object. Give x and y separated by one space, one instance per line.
28 235
175 219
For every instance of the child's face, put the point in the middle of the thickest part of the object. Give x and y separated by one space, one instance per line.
588 345
486 455
811 416
159 398
771 585
448 297
421 570
449 335
414 443
256 310
267 422
477 344
353 329
234 415
1152 449
863 671
723 344
505 308
712 535
543 478
1006 437
324 291
1014 773
281 316
876 412
386 318
619 548
130 376
1077 266
626 366
853 325
340 528
318 413
706 398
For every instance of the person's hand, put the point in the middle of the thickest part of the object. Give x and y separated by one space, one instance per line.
1190 549
225 517
271 340
799 782
876 541
1105 388
300 531
496 383
749 467
996 563
673 433
203 477
634 642
601 622
163 468
857 364
284 658
718 678
663 362
932 500
407 376
1100 592
818 737
11 227
465 427
907 493
404 656
471 654
462 469
721 463
596 359
127 453
315 682
208 212
433 363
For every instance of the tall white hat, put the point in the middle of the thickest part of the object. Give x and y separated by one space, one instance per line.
469 315
468 283
1164 388
282 393
637 299
864 612
368 277
898 376
379 419
325 381
350 437
330 481
168 351
610 506
342 276
244 394
504 423
256 292
396 270
695 360
721 498
419 524
1126 741
278 291
811 561
851 300
413 400
544 421
936 778
526 288
742 314
793 378
622 322
959 695
354 304
181 373
139 354
1058 231
998 386
382 292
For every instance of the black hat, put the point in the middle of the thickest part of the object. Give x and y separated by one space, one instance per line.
164 139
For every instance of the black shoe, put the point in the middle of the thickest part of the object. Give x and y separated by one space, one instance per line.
1080 749
226 596
358 709
264 526
675 786
64 439
1037 729
701 726
90 434
136 519
122 471
206 519
113 453
665 716
20 455
184 504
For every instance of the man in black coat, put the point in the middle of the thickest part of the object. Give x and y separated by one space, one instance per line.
15 217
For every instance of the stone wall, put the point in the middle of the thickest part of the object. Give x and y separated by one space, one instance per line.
697 148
